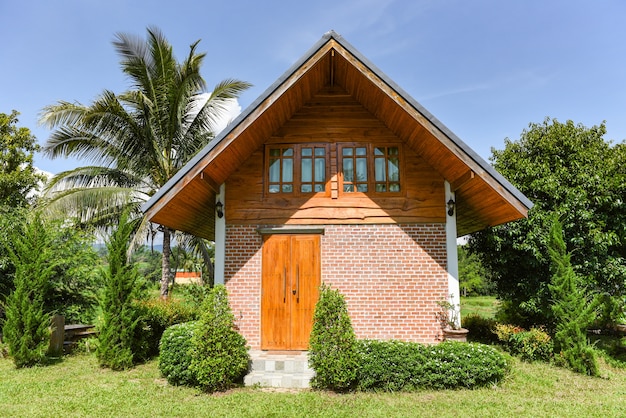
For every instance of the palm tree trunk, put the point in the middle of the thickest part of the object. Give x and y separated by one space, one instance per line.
165 263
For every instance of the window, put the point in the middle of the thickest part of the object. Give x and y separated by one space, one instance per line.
303 169
312 169
370 168
281 170
297 169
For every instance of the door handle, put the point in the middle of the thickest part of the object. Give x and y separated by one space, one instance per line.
297 291
284 284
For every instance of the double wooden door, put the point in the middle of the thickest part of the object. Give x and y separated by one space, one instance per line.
290 290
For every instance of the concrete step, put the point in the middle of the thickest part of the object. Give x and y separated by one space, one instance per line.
285 369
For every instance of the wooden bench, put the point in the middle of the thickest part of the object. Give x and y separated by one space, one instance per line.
64 337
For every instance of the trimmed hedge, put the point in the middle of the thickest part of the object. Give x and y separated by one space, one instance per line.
175 358
219 354
403 366
332 347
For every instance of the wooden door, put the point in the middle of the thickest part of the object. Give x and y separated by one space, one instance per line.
290 283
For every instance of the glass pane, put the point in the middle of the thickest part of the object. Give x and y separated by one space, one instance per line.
307 170
320 170
361 151
319 152
320 187
288 152
394 187
274 188
381 187
274 170
348 187
348 170
393 150
379 151
287 170
274 152
361 169
347 151
379 169
287 188
361 188
307 152
394 169
306 188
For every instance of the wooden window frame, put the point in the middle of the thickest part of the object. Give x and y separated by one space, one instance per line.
297 170
371 175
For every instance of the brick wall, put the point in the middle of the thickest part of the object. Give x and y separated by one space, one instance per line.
391 275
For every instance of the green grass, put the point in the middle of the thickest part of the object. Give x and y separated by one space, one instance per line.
77 387
484 306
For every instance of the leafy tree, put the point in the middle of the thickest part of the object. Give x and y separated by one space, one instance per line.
572 171
119 347
472 275
26 330
71 290
17 174
572 310
148 263
136 140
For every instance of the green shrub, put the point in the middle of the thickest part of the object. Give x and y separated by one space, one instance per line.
389 365
404 366
121 342
332 345
572 309
455 365
157 315
531 345
26 328
219 353
175 354
480 329
195 294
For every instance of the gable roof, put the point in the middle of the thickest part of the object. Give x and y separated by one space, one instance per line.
483 197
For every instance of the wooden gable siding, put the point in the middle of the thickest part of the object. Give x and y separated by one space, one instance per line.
332 116
483 198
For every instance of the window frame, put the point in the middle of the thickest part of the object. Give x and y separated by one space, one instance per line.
371 169
297 170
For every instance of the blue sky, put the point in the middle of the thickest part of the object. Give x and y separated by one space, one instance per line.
485 69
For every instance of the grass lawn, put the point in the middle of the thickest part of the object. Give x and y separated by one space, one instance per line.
484 306
77 387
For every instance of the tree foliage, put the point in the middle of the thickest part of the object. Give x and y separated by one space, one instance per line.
473 278
71 290
572 310
219 355
26 330
120 344
136 140
333 350
571 171
18 177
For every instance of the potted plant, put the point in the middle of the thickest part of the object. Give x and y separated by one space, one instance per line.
449 318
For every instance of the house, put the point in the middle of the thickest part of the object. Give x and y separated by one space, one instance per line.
336 175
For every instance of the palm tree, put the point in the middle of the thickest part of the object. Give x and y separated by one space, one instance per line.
136 141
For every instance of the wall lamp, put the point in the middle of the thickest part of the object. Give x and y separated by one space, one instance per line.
450 207
219 208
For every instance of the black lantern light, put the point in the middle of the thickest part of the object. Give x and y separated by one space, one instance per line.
219 209
450 207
